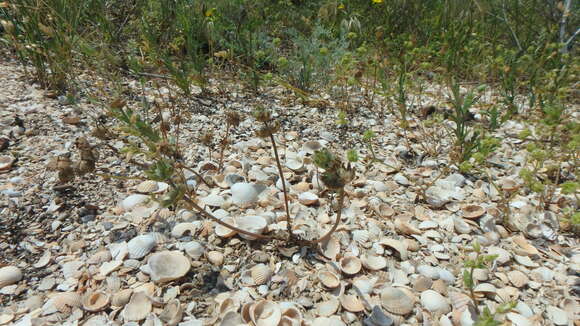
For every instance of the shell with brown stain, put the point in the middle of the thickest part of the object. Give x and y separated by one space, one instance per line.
351 303
350 265
329 279
9 275
96 301
396 301
265 313
261 274
65 301
138 307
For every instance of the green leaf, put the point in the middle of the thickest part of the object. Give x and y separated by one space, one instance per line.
468 279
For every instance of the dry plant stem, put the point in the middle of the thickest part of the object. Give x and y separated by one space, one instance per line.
194 172
472 293
223 148
288 219
222 223
336 222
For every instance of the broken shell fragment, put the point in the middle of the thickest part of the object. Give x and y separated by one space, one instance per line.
225 232
64 302
518 279
251 223
328 308
140 246
138 307
308 198
9 275
96 301
215 257
265 313
351 303
172 313
330 248
121 298
374 263
396 301
378 318
167 266
329 279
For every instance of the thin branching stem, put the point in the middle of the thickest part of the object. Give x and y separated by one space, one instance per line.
336 222
288 219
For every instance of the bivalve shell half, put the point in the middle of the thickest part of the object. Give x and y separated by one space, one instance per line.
472 211
147 187
138 307
374 263
225 232
308 198
140 246
261 274
265 313
9 275
351 303
183 229
378 318
399 246
96 301
172 313
396 301
518 279
327 308
215 257
350 265
121 298
194 249
435 302
244 193
329 279
252 223
330 248
66 301
167 266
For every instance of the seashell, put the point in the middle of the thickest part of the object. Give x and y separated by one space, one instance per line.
245 193
233 178
330 248
133 201
374 263
557 315
350 265
225 232
383 210
302 186
311 146
265 313
472 211
172 313
215 257
459 301
252 223
518 320
121 298
412 245
183 229
327 308
399 246
428 271
261 274
167 266
378 318
525 246
508 293
72 269
440 286
66 301
43 260
308 198
329 279
110 266
147 187
140 246
485 289
213 200
517 278
328 321
509 185
194 249
404 227
138 307
292 316
434 302
351 303
361 236
5 318
230 304
396 301
295 164
99 257
422 283
113 283
96 301
6 162
9 275
503 256
526 261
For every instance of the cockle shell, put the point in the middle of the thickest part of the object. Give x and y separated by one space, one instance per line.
327 308
374 263
261 274
215 257
133 201
183 229
213 200
194 249
330 248
308 198
167 266
65 301
138 307
244 193
472 211
140 246
422 283
9 275
172 313
434 302
329 279
147 187
399 246
96 301
351 303
73 269
252 223
396 301
121 298
517 278
225 232
265 313
350 265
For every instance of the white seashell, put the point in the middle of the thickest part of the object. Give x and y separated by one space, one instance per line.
399 246
215 257
396 301
140 246
295 164
43 260
120 299
351 303
138 307
109 267
329 279
72 269
485 288
252 223
361 236
557 315
147 186
311 146
350 265
99 257
194 249
5 318
96 301
172 313
526 261
374 263
133 201
9 275
330 248
261 274
245 193
66 301
213 200
265 313
308 198
518 320
403 226
183 229
435 302
503 256
225 232
472 211
167 266
517 278
461 226
327 308
113 283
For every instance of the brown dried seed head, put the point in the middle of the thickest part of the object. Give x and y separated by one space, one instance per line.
233 118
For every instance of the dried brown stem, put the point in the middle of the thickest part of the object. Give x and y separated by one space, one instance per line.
336 222
288 219
223 143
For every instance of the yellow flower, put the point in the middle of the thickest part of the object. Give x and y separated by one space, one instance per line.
377 1
341 6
